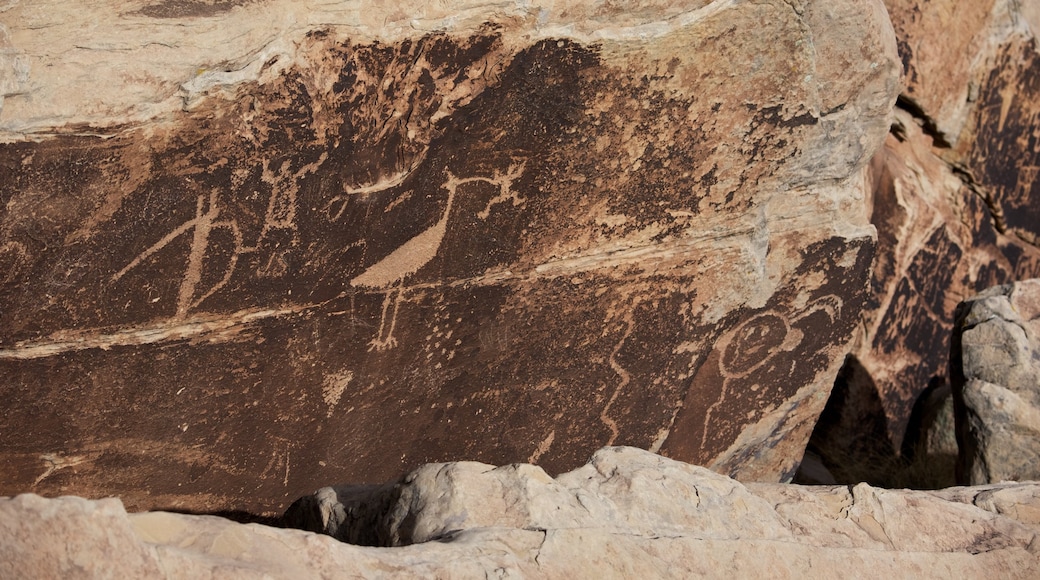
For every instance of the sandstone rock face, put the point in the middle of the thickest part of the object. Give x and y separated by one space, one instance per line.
937 245
955 195
628 513
995 368
249 247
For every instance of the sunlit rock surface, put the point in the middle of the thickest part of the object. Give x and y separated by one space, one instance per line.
627 513
252 246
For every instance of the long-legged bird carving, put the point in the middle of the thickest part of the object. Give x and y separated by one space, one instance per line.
390 273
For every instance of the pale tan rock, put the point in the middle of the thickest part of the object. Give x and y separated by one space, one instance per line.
70 537
639 515
995 367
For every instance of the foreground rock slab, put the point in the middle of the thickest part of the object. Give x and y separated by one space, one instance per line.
252 246
627 513
995 366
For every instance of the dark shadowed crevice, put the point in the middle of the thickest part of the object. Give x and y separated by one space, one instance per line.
851 442
239 516
927 123
851 436
996 213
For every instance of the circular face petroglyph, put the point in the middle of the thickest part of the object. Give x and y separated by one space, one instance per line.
752 343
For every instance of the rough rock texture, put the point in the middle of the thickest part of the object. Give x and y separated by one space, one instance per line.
995 367
252 246
626 514
955 196
973 219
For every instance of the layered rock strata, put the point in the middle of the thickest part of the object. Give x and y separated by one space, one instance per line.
252 246
995 367
627 513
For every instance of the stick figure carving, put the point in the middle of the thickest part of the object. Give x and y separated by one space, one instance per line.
750 346
204 223
390 273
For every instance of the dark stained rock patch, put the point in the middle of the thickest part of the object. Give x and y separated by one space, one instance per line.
457 244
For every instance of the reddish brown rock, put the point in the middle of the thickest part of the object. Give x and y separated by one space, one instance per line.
520 235
955 200
999 152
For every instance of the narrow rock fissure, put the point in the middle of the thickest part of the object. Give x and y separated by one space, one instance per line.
995 212
930 128
928 125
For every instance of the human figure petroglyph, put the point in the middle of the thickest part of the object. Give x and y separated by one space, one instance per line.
201 226
281 214
390 273
387 275
759 339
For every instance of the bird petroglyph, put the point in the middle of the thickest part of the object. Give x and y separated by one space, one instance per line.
390 273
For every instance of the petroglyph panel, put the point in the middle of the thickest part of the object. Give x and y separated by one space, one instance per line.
479 244
955 200
1002 154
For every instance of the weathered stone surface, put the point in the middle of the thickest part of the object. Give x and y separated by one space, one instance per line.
628 513
359 237
995 367
937 245
955 194
998 148
943 44
949 49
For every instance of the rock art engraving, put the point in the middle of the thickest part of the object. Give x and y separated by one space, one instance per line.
521 241
390 272
624 376
201 226
56 462
754 343
333 387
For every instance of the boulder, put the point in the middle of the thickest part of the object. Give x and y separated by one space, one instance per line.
995 365
252 246
627 513
954 196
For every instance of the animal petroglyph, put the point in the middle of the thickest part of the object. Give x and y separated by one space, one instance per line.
56 462
338 204
390 272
